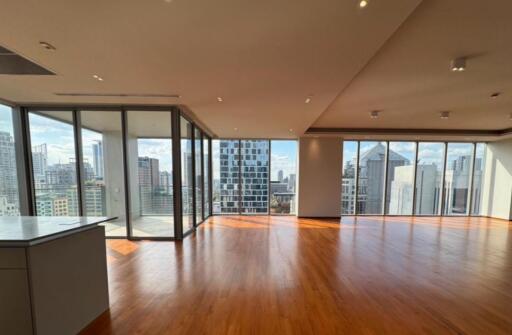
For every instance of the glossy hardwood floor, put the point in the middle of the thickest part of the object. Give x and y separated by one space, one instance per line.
283 275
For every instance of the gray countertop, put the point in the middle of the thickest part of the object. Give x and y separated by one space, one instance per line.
22 231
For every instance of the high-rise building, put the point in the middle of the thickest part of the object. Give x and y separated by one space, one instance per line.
8 179
255 174
229 196
280 175
166 181
97 159
40 162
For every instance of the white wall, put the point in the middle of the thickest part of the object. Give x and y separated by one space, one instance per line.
320 166
497 188
114 176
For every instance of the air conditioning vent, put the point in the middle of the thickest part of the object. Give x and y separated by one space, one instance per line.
14 64
118 95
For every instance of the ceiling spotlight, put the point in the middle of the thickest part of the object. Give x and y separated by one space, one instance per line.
236 129
444 115
495 95
219 99
95 76
47 45
458 64
374 114
363 3
308 100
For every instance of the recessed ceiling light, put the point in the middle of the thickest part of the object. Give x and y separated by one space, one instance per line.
95 76
444 115
236 129
374 114
458 64
308 100
495 95
47 45
219 99
363 3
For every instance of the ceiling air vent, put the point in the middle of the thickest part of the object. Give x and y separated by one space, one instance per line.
118 95
13 64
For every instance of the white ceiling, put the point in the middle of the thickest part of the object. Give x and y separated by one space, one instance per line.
409 78
265 57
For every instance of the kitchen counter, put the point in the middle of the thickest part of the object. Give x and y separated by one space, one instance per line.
53 274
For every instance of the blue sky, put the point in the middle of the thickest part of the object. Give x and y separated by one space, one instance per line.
160 149
57 135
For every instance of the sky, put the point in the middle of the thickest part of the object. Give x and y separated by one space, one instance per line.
57 135
5 119
160 149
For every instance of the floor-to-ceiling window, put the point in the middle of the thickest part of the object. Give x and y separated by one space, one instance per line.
54 163
206 178
478 174
429 178
459 160
400 178
254 177
371 177
226 172
283 177
150 166
102 152
187 175
422 178
9 196
349 177
198 157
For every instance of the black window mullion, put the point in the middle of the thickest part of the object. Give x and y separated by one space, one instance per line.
77 130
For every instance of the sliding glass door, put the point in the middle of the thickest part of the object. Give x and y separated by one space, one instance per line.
103 170
150 166
54 163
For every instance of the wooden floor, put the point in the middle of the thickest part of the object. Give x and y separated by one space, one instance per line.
282 275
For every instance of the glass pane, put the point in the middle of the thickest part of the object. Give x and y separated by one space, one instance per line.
400 175
283 184
187 175
198 175
348 180
255 174
102 151
225 176
150 168
478 179
54 163
206 171
9 197
429 178
457 178
372 160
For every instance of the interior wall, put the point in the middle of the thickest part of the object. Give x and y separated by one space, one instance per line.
497 189
320 165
